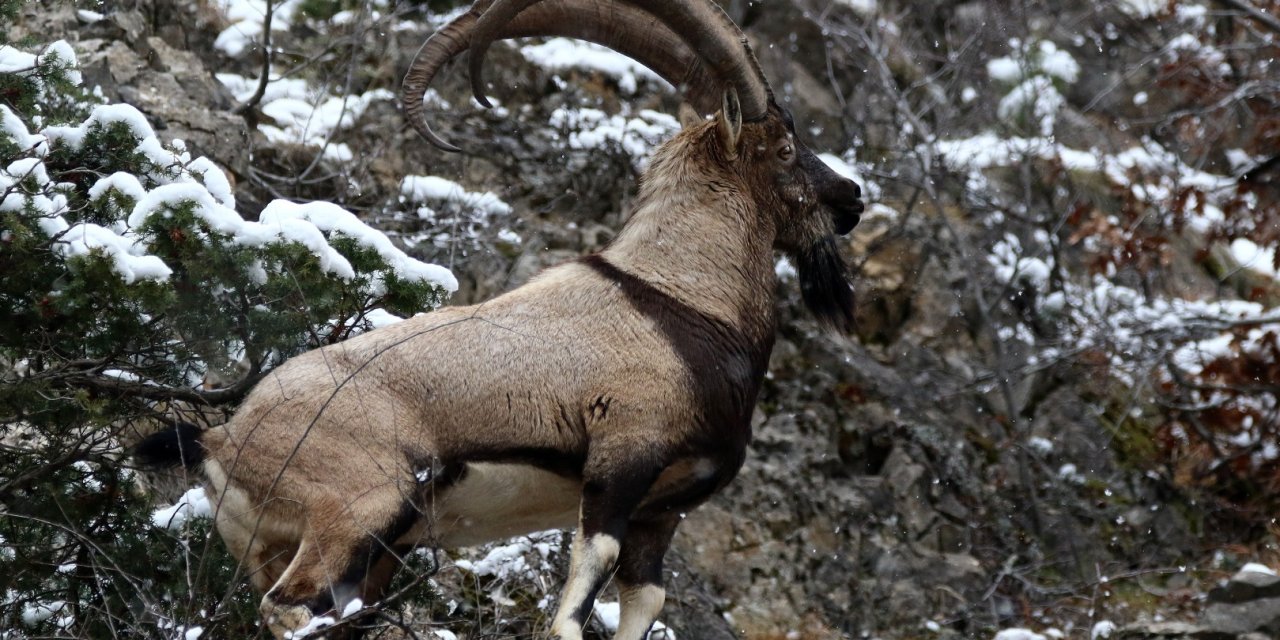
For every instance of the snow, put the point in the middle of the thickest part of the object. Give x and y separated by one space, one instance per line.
1035 99
34 613
1251 256
838 165
352 608
1004 70
1102 629
12 126
214 181
126 184
66 59
171 196
784 269
247 18
193 504
326 216
16 61
107 114
313 625
426 189
1057 63
610 613
24 168
1019 634
299 114
510 560
203 188
1071 473
558 54
127 256
1254 567
381 318
865 8
589 128
1012 266
1040 445
1044 59
1142 8
1161 172
1188 48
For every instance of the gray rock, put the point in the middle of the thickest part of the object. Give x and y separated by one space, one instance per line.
1170 631
1259 615
1246 586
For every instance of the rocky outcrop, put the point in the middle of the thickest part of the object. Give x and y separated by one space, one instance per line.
1245 607
901 479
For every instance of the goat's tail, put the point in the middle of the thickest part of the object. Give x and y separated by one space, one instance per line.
177 445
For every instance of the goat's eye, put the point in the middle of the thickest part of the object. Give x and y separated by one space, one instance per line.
786 153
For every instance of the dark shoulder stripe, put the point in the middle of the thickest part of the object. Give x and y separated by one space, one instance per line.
725 366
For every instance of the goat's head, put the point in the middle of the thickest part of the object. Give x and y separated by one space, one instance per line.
696 47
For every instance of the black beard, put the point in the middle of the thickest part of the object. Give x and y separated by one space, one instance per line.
824 284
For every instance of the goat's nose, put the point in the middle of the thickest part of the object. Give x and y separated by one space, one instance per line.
845 202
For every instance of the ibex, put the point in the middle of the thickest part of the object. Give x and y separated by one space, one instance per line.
610 393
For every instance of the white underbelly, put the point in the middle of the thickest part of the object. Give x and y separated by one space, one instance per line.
497 501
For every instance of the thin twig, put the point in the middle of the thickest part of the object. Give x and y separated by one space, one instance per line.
248 107
1269 21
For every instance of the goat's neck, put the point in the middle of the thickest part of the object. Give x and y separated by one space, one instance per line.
703 243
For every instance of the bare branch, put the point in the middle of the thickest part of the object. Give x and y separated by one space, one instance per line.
1267 20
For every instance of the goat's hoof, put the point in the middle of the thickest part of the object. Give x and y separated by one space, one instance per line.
296 621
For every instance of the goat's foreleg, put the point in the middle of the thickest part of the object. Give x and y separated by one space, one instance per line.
609 496
640 574
345 554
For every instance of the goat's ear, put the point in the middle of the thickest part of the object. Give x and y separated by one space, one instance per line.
729 123
689 116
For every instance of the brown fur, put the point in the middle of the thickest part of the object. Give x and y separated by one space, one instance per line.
610 392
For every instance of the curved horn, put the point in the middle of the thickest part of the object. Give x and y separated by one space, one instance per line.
440 48
621 27
701 24
717 40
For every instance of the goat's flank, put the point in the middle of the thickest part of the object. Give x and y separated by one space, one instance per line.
609 394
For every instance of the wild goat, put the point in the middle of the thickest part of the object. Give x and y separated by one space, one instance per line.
609 394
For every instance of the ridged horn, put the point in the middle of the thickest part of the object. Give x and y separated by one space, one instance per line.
701 24
622 27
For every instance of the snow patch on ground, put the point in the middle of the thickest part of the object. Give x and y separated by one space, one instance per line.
610 613
588 128
247 18
1019 634
303 115
432 189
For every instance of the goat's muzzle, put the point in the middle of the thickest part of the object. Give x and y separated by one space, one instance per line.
841 196
844 199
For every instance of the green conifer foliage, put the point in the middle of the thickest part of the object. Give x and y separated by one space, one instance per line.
129 285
